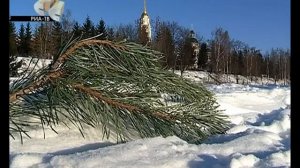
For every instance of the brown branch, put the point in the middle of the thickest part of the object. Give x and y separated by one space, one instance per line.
57 73
99 96
35 85
63 57
96 94
54 74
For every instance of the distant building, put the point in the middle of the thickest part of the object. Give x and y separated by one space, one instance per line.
195 48
209 62
144 27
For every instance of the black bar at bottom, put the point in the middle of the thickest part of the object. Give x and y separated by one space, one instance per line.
31 19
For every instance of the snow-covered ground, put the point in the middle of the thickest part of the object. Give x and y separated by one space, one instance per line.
259 137
29 63
32 63
203 77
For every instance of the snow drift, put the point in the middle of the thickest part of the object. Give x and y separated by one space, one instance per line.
259 137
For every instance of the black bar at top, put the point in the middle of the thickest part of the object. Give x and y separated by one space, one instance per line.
31 19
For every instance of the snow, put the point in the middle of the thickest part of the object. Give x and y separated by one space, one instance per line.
203 77
29 64
259 136
32 63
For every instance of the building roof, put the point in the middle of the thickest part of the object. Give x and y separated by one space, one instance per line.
144 14
193 37
193 40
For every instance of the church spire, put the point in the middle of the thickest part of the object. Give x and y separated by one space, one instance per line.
145 9
145 28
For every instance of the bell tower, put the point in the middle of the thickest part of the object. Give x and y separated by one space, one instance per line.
145 27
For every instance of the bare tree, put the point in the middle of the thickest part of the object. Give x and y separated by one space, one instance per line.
220 51
128 32
41 41
164 43
67 23
179 34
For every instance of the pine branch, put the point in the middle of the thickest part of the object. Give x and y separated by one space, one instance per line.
35 85
97 94
56 73
119 87
70 51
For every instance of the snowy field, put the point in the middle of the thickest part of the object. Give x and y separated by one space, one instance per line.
259 137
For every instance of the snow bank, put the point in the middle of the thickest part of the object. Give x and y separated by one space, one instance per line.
259 137
204 77
32 63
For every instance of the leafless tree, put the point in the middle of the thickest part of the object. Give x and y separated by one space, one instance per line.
164 42
127 31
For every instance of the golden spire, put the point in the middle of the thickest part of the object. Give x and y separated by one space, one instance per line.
145 10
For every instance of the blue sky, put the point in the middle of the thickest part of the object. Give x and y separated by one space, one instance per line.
263 24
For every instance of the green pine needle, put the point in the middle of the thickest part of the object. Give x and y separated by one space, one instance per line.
119 87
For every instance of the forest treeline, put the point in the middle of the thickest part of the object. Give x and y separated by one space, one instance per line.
220 54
